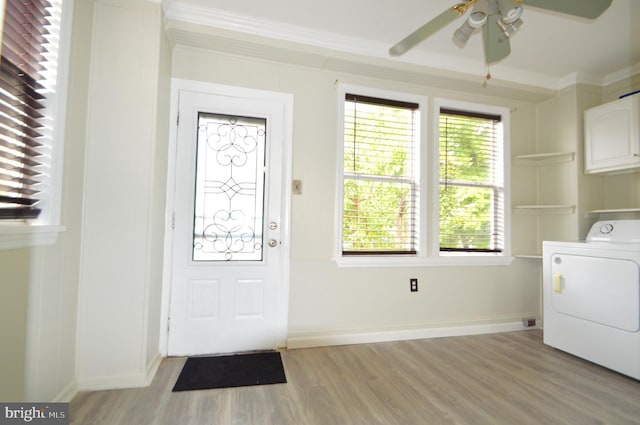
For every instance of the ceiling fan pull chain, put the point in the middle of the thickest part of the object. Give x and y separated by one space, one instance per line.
487 77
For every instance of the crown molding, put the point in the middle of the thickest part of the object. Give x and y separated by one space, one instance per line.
622 74
182 11
579 78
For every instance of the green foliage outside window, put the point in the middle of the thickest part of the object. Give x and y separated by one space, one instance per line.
379 180
381 197
470 192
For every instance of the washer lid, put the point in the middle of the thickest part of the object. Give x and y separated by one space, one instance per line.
615 231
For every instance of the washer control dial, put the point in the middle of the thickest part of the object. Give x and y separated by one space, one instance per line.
607 228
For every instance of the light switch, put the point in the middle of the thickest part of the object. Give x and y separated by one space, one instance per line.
296 187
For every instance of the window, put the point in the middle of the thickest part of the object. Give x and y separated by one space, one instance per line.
31 116
410 197
471 182
380 176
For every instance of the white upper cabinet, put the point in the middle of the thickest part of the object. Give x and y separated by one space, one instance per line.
612 136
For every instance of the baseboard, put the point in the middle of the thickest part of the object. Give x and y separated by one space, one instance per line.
113 382
67 394
306 340
152 368
101 383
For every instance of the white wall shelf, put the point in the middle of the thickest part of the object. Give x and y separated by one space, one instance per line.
545 209
616 210
615 213
538 159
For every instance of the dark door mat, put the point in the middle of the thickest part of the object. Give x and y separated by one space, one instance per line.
241 370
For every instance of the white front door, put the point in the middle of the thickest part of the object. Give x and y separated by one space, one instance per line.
229 287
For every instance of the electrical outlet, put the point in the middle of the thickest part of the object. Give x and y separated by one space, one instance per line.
413 284
528 322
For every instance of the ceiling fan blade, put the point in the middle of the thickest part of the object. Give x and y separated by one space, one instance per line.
496 43
425 31
590 9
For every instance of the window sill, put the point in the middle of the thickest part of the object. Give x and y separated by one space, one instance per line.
14 236
378 261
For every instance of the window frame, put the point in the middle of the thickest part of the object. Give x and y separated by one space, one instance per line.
461 257
413 181
45 229
495 187
428 253
367 260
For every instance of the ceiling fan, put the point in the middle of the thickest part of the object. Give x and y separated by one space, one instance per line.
498 20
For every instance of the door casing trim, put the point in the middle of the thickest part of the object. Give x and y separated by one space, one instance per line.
179 85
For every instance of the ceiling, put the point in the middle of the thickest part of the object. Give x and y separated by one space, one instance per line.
550 50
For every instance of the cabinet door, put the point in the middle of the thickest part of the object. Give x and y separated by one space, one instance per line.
612 136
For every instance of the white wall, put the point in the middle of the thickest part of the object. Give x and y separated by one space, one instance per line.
325 300
14 276
123 188
52 284
157 201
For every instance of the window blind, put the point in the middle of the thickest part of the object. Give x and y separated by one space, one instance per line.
380 205
471 182
24 139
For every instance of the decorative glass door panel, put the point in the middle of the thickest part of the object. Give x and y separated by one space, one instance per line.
229 188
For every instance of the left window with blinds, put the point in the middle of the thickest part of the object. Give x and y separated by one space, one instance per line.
381 191
26 68
31 114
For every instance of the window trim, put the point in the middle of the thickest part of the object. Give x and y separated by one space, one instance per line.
351 260
413 181
496 189
46 228
428 249
477 109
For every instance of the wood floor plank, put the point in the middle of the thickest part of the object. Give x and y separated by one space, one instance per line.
508 378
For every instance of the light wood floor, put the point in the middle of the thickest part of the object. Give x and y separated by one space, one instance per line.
508 378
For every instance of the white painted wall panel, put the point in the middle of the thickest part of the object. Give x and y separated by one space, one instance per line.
115 272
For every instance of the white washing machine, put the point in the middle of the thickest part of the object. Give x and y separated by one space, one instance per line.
592 296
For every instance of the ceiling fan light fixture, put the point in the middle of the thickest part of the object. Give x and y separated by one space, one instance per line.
473 22
462 34
477 19
511 15
510 11
510 28
499 20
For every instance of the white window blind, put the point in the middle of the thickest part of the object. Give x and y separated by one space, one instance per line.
27 65
380 208
471 182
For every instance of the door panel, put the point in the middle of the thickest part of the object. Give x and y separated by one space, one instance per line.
203 298
227 283
601 290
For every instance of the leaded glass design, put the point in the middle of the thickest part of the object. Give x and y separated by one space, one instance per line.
229 189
